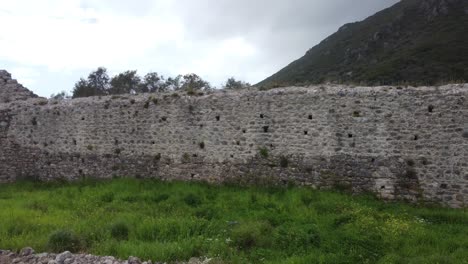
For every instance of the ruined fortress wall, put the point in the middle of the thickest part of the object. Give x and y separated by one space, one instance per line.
409 143
11 90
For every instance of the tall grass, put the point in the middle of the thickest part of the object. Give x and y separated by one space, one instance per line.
170 221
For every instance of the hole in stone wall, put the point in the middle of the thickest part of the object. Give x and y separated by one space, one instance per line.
74 142
80 171
192 175
416 137
310 117
244 131
238 143
430 108
306 132
34 121
164 118
83 118
350 135
265 129
410 162
218 118
116 142
373 160
262 116
232 156
153 142
382 187
443 186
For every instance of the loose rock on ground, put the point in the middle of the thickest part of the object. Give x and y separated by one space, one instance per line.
28 256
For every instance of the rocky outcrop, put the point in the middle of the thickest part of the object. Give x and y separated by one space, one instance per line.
28 256
11 90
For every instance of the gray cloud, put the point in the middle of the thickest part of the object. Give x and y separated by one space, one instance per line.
281 30
247 39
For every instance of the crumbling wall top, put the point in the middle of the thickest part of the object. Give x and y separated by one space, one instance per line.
11 90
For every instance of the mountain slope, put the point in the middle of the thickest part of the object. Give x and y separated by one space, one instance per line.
414 41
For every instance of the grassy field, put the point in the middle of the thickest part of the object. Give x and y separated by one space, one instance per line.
175 221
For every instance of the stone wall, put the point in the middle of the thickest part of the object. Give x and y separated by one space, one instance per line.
11 90
409 143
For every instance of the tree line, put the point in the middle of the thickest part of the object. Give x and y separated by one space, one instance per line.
99 83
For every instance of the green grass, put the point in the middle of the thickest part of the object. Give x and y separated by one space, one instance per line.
176 221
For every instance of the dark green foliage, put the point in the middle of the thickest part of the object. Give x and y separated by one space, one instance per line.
263 152
152 83
192 83
96 84
62 240
233 84
119 231
192 200
129 82
412 42
126 82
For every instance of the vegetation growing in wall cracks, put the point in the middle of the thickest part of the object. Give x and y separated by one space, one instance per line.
263 151
176 221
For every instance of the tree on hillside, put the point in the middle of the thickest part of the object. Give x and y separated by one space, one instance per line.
173 83
192 83
97 83
99 80
83 89
232 83
153 82
126 82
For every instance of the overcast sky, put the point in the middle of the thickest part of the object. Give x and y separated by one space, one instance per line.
49 44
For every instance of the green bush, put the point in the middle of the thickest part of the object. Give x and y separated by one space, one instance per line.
249 235
120 231
62 240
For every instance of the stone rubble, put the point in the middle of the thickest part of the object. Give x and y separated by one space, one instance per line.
28 256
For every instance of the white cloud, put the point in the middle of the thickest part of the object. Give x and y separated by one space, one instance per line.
62 40
62 37
25 75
